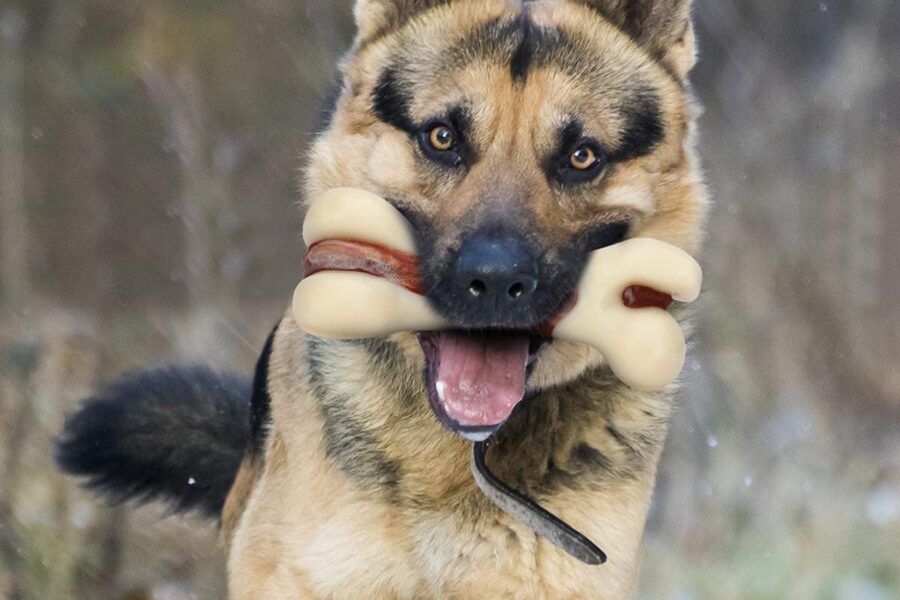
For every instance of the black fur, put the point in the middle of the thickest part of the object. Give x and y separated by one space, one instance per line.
172 434
391 103
556 165
522 58
261 402
606 235
518 42
587 458
644 127
526 46
569 135
348 440
461 118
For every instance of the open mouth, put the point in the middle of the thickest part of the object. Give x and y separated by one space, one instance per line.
476 379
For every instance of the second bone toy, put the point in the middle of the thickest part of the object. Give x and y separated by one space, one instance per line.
361 281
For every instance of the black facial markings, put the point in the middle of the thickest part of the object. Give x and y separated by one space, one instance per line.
421 222
348 441
606 235
520 43
534 46
483 42
260 401
525 46
570 135
643 132
643 127
522 58
391 103
461 119
558 166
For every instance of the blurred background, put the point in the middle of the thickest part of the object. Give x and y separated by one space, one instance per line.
149 168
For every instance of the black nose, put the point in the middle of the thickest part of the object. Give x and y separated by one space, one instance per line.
496 273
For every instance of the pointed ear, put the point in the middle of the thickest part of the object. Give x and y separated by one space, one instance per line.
377 17
663 27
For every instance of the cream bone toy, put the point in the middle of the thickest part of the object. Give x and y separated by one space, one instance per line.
368 287
362 280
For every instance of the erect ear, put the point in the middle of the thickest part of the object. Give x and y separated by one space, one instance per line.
663 27
377 17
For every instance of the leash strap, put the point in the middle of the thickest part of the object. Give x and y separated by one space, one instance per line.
526 510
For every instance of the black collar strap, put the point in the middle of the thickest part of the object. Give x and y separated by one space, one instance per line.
529 512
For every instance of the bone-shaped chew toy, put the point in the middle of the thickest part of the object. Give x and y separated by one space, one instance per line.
367 286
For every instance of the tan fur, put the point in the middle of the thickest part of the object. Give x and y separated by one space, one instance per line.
393 512
307 524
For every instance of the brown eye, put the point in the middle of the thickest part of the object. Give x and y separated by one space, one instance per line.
583 158
441 138
440 143
583 162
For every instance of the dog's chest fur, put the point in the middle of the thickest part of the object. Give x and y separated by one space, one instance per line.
359 487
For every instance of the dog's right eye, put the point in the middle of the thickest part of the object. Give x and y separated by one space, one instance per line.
440 143
441 138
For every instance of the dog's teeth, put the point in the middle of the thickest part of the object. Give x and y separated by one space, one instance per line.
475 436
439 387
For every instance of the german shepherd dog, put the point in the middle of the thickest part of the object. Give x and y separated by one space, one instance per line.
517 136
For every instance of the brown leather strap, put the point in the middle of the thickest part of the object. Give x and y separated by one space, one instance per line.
640 296
399 268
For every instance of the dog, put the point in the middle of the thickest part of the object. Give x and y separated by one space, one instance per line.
516 136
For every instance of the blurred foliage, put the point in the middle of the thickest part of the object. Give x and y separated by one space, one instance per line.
149 152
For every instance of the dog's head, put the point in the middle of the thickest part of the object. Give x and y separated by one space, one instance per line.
517 136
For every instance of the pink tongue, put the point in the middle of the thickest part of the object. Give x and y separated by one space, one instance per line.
480 378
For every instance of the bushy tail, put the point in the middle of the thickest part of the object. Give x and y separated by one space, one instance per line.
172 434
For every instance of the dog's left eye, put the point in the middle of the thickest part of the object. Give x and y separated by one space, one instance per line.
583 158
440 143
582 163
